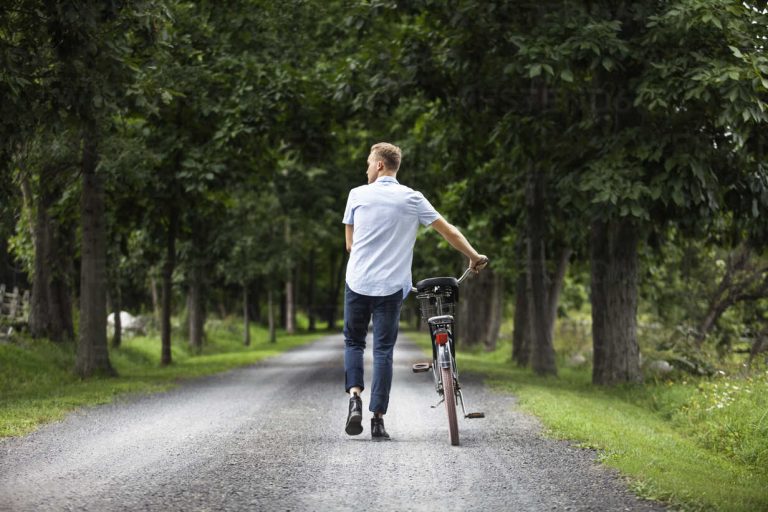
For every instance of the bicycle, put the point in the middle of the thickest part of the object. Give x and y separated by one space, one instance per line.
438 298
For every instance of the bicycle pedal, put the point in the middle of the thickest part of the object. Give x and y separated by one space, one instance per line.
421 367
474 415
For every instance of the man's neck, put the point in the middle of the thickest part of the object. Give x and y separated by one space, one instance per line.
387 173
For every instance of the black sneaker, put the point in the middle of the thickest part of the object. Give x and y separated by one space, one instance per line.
355 417
377 430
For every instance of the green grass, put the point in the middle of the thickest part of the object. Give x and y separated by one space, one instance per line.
698 444
37 384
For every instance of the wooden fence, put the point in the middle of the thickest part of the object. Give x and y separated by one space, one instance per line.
14 310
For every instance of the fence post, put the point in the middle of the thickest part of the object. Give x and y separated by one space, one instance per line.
14 304
25 306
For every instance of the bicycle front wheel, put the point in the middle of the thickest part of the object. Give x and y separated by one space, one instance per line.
449 394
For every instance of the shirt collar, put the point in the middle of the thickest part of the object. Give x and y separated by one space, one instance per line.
386 179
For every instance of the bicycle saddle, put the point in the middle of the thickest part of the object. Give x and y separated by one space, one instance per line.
437 281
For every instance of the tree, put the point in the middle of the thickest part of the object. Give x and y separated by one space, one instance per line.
250 257
42 159
663 146
584 68
45 178
92 43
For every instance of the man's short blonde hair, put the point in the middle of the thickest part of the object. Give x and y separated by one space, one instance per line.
387 153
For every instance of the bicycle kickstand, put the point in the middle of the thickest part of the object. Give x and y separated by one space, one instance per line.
471 415
438 403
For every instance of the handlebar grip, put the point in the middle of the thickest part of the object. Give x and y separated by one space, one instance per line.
482 263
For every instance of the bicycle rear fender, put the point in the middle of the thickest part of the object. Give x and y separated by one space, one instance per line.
444 356
440 320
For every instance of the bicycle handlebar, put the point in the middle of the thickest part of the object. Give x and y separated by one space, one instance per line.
463 276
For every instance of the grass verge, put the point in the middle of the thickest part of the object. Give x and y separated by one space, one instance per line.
697 444
37 384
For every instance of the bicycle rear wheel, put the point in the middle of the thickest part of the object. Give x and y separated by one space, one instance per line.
450 405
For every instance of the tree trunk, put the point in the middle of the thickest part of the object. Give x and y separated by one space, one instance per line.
714 313
92 351
117 336
223 312
167 287
61 290
480 310
256 302
50 313
337 280
416 321
330 305
496 312
246 317
288 306
290 327
271 317
744 280
719 302
750 287
184 324
60 322
542 350
555 287
39 313
311 291
7 270
614 302
155 300
471 316
521 336
195 311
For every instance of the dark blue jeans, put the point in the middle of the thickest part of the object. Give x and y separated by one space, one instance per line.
358 310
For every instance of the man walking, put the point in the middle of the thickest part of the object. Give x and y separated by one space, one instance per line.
382 219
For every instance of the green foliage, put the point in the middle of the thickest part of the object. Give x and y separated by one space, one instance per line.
574 298
248 123
41 170
686 279
20 242
248 256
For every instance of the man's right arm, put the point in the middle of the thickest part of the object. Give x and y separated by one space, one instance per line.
454 237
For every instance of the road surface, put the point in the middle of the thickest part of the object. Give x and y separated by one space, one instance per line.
271 437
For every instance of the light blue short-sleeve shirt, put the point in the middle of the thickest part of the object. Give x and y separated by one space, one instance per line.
386 217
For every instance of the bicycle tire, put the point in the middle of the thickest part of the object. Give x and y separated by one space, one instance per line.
450 405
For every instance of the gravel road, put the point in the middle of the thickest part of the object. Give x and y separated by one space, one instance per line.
271 437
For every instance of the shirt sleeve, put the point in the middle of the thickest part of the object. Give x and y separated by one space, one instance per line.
425 211
349 211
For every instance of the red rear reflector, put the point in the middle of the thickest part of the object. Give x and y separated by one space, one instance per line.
441 338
